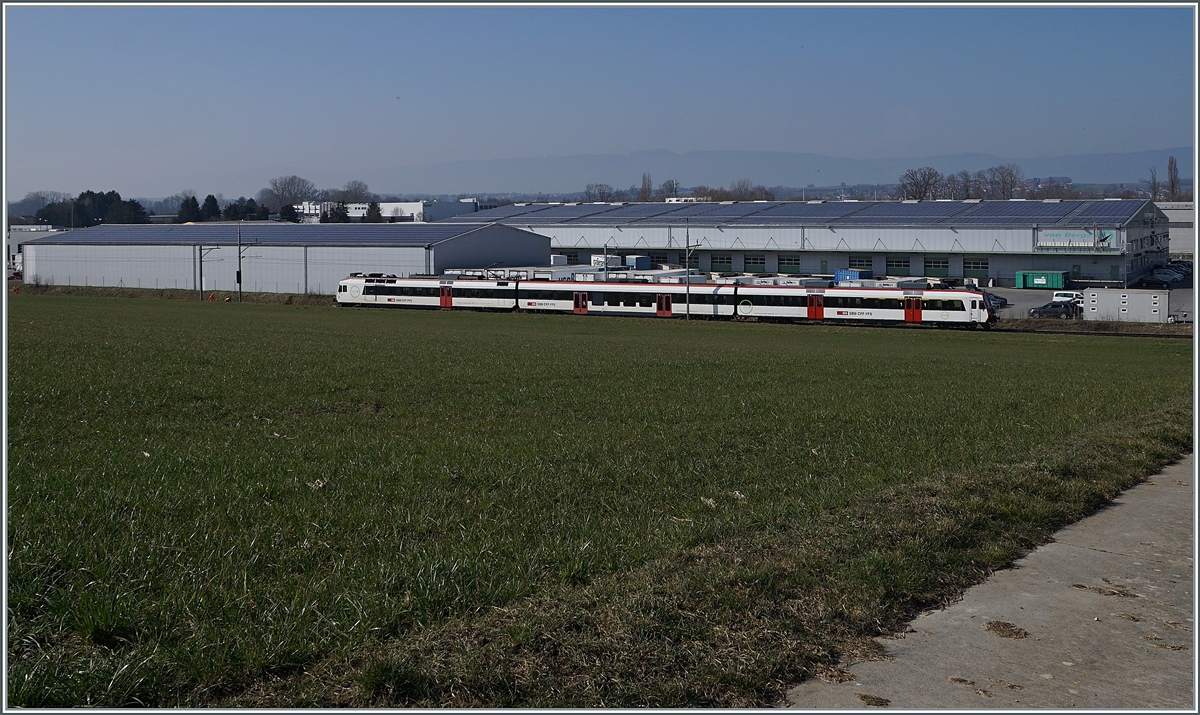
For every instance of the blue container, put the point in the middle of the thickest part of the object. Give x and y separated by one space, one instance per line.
850 274
638 263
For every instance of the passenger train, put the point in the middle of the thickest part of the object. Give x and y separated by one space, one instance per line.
963 308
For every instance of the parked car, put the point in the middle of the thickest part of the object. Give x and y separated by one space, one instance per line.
1166 275
1152 282
1185 266
1054 309
1068 296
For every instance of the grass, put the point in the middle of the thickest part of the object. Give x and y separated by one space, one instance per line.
268 505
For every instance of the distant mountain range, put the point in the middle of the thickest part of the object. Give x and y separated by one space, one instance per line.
769 168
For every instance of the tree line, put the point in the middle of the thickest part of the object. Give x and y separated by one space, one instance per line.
743 190
92 208
1007 181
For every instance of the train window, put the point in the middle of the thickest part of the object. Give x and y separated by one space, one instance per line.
870 302
369 289
890 303
952 305
597 298
833 301
645 300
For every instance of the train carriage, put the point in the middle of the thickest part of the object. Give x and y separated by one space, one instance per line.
786 303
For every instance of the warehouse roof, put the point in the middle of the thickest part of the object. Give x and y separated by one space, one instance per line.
795 213
265 232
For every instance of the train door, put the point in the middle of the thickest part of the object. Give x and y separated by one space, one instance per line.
912 310
581 303
662 305
816 307
976 315
446 294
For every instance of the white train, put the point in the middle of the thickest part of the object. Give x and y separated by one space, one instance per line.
704 300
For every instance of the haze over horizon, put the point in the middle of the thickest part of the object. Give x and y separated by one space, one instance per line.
153 100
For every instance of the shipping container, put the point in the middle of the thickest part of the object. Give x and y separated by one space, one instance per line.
1050 280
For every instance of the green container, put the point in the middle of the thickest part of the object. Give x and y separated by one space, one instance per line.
1049 280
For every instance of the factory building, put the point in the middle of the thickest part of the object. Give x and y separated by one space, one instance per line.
1181 221
1109 242
275 257
392 211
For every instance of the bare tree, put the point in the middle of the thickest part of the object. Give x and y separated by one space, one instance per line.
647 191
1004 181
286 191
599 192
1172 179
170 205
959 186
1154 187
919 184
669 189
356 191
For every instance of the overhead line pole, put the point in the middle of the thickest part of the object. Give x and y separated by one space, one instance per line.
687 267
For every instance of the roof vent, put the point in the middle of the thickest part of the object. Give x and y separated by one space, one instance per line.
971 201
911 201
818 201
1018 199
1051 201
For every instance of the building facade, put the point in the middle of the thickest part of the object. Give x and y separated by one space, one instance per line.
274 257
1101 242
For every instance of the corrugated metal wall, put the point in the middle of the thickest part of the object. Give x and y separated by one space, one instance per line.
267 269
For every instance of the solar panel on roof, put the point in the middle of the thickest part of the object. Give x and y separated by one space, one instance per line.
1019 212
729 212
567 212
497 214
801 212
1108 211
925 212
633 212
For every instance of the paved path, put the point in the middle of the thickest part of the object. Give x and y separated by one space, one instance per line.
1105 609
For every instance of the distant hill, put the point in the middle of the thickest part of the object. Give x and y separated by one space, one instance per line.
720 168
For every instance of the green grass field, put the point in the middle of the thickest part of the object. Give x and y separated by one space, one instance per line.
266 505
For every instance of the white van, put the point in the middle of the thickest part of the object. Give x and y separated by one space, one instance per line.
1067 296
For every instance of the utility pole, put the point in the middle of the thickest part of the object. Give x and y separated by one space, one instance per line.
239 271
687 267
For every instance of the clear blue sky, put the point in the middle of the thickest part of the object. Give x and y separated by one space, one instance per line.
150 101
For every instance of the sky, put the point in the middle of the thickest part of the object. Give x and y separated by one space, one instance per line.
152 100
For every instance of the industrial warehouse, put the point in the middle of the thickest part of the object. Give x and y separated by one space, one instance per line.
271 257
1015 243
1108 242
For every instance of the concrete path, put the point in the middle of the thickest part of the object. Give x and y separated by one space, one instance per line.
1102 617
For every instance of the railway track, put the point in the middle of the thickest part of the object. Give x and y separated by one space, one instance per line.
1097 332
